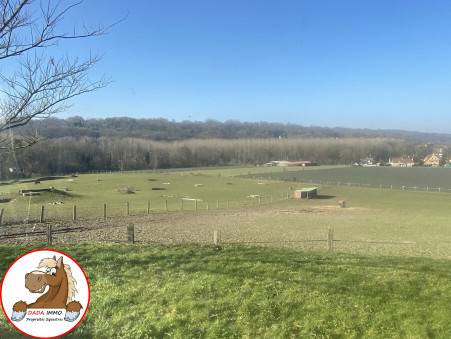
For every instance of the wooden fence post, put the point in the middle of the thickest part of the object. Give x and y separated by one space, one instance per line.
1 216
330 240
127 206
148 206
104 211
195 204
74 213
41 218
216 239
131 233
166 204
49 235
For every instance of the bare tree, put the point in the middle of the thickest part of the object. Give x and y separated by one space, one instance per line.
41 84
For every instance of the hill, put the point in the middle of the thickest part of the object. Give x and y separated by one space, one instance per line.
163 129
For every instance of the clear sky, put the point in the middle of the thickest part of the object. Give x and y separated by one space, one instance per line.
374 64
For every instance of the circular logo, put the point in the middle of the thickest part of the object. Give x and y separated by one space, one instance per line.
45 293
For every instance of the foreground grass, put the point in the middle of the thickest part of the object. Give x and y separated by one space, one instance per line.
194 291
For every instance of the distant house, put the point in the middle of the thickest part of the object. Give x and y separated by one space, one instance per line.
433 160
401 162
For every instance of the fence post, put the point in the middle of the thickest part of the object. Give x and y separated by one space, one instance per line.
216 239
207 206
41 218
1 216
127 207
131 233
330 239
166 204
148 206
259 200
104 211
195 204
74 213
49 235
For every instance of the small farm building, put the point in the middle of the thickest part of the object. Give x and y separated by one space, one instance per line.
306 193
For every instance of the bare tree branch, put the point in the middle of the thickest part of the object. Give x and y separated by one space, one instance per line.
42 85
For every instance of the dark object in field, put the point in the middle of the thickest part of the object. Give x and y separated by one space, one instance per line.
229 183
37 190
3 200
342 203
37 182
158 188
74 175
126 190
151 179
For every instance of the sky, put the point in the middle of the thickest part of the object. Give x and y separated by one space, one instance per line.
362 64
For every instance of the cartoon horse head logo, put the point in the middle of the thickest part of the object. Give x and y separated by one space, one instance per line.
57 276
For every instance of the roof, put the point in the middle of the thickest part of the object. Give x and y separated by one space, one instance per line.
306 189
402 160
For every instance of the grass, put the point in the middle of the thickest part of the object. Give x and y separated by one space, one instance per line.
250 292
420 218
90 191
422 177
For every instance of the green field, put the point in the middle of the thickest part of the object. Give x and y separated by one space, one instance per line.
249 292
416 177
377 221
388 277
90 191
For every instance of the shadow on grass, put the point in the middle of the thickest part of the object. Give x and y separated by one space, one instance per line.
324 196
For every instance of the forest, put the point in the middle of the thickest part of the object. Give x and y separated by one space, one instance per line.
69 155
169 130
119 144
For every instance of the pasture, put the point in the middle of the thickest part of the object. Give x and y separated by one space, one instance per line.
91 191
376 221
388 276
416 177
191 291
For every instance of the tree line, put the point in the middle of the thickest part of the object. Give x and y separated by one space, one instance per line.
69 155
163 129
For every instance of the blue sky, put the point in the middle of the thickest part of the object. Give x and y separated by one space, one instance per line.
373 64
